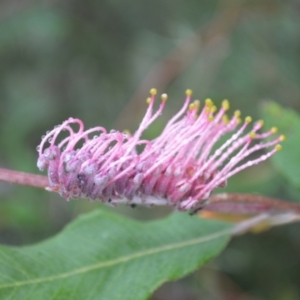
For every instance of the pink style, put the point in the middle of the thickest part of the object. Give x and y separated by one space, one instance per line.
180 168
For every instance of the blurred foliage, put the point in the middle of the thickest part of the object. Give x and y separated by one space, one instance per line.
96 60
289 124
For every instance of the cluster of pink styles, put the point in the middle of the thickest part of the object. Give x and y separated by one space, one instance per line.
179 168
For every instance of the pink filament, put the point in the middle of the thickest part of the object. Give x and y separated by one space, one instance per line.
180 168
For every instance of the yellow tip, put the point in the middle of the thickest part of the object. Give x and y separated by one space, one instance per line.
225 119
210 118
197 104
274 129
192 106
237 113
153 92
148 100
188 92
282 137
208 102
213 109
278 147
126 131
252 135
225 104
261 122
164 97
248 119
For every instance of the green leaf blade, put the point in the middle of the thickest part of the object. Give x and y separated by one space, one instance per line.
104 256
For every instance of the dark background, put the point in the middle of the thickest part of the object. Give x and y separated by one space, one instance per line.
97 60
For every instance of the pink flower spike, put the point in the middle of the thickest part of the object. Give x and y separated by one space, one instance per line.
180 168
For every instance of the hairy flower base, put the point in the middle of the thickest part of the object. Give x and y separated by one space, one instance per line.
179 168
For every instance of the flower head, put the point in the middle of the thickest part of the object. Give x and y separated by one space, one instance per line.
179 168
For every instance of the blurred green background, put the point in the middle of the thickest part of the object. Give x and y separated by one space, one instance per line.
97 60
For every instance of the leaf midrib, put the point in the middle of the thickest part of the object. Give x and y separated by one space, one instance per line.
118 260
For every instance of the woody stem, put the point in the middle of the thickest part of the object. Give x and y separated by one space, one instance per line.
40 181
253 199
23 178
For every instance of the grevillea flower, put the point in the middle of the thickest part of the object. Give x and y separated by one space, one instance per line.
180 168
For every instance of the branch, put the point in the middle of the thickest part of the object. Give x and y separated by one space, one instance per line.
23 178
248 204
252 213
222 206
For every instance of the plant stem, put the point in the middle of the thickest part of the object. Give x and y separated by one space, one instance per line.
23 178
243 203
232 203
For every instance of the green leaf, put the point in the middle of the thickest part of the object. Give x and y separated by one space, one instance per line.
105 256
286 161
